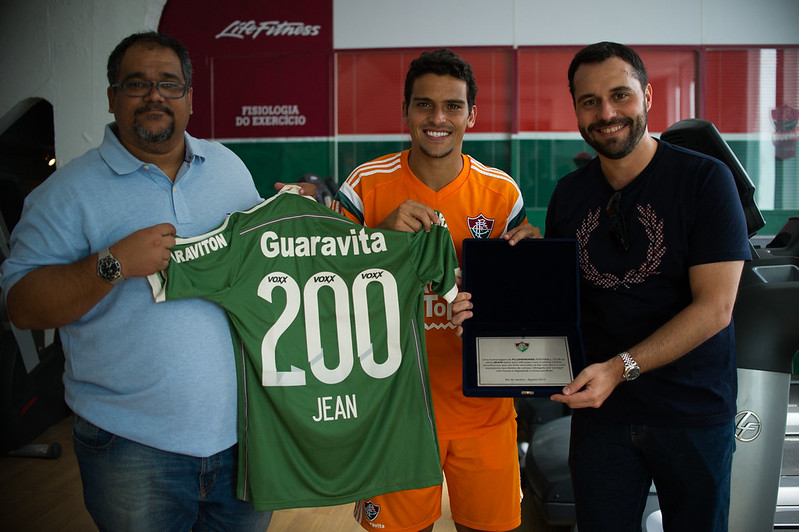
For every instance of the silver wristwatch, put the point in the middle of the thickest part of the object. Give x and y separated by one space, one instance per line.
108 267
631 368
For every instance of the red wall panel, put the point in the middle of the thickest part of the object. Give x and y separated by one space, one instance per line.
545 103
371 84
727 90
270 58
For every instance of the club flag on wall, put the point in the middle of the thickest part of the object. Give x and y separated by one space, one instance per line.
786 131
261 69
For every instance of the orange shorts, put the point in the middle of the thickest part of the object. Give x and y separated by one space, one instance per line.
482 480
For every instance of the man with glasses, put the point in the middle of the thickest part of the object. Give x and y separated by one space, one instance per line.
153 387
662 241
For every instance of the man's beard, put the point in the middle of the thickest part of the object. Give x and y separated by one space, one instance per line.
154 136
615 148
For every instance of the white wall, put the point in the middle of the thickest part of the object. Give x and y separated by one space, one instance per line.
57 50
383 24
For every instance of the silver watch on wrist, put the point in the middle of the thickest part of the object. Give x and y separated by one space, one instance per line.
631 368
108 267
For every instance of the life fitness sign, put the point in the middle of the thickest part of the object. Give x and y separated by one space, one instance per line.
261 69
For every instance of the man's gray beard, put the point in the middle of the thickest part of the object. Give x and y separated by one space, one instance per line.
158 136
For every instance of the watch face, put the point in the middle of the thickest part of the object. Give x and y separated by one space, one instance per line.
632 373
108 268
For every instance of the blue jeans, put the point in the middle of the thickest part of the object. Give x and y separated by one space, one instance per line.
133 487
613 466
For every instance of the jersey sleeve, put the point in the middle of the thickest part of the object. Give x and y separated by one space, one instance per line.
518 214
348 201
435 259
506 190
202 266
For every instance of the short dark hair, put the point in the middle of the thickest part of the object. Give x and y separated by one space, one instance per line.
601 51
159 39
443 62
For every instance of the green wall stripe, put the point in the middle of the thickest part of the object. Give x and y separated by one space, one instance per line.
535 162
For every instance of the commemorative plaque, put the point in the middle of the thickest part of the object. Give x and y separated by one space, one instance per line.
524 337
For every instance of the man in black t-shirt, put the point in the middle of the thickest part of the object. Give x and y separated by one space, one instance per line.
662 241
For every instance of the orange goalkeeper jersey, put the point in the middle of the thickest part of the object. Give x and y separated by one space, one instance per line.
482 202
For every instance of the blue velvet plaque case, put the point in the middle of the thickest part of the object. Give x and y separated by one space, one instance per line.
526 309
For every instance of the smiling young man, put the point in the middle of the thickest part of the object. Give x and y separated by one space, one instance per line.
662 240
477 436
152 386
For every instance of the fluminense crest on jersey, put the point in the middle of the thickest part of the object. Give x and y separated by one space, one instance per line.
372 510
480 226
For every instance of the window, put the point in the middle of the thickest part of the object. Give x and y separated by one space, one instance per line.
526 125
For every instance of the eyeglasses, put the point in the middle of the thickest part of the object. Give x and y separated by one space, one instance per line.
617 227
136 88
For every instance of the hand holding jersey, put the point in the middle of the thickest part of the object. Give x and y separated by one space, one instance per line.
145 251
306 189
410 216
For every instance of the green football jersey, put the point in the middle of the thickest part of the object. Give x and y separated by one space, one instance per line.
334 398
